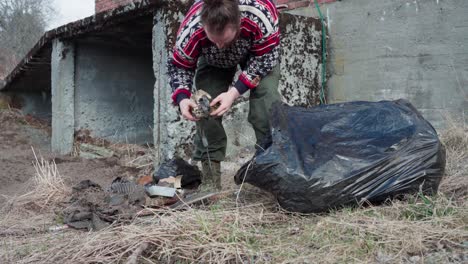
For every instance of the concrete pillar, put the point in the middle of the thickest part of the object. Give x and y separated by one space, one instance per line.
172 136
63 93
161 87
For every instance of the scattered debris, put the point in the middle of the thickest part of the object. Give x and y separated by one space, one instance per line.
191 174
155 190
200 198
89 151
58 228
144 180
93 208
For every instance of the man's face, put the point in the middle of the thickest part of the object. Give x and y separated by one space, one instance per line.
225 38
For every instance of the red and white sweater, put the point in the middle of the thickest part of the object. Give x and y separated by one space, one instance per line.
257 44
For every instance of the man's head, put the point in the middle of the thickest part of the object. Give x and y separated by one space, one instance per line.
221 21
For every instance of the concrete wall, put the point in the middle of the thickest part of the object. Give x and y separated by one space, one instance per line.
418 50
299 85
114 91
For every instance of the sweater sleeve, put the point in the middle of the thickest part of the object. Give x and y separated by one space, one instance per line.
180 79
265 51
183 61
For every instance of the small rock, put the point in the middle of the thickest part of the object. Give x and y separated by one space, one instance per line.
415 259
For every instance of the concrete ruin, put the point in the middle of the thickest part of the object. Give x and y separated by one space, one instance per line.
106 74
299 84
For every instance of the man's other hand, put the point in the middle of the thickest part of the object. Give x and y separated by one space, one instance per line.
225 100
186 106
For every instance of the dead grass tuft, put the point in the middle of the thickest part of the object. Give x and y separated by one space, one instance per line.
47 192
455 139
135 156
49 185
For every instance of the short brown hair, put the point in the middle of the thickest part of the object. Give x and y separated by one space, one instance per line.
217 14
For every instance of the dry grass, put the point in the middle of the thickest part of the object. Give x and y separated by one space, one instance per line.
47 192
455 139
257 232
9 114
418 229
128 155
136 156
49 186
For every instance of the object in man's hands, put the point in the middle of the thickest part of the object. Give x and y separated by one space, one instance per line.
203 100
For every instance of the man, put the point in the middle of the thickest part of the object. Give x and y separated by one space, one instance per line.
214 38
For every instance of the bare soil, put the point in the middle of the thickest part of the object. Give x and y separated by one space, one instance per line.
20 134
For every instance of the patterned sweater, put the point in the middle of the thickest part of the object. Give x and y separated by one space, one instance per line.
257 44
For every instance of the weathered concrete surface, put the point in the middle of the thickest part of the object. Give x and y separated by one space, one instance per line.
299 84
63 92
113 97
172 135
38 104
301 60
385 50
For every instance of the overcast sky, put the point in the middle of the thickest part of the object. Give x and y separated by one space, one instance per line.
71 10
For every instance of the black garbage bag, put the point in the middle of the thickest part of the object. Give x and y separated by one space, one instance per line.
191 175
336 155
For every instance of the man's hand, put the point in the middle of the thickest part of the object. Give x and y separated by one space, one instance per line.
225 100
186 106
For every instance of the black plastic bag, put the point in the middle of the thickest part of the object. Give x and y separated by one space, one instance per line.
191 175
336 155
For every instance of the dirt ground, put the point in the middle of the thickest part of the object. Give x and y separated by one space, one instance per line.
19 135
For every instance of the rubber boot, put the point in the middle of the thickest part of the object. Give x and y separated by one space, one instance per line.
211 172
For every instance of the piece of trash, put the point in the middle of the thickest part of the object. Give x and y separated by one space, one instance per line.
199 198
336 155
178 182
58 228
190 174
145 180
155 191
170 180
89 151
122 186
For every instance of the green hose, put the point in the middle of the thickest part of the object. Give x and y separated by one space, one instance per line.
324 54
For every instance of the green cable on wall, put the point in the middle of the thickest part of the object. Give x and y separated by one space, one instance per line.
324 54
